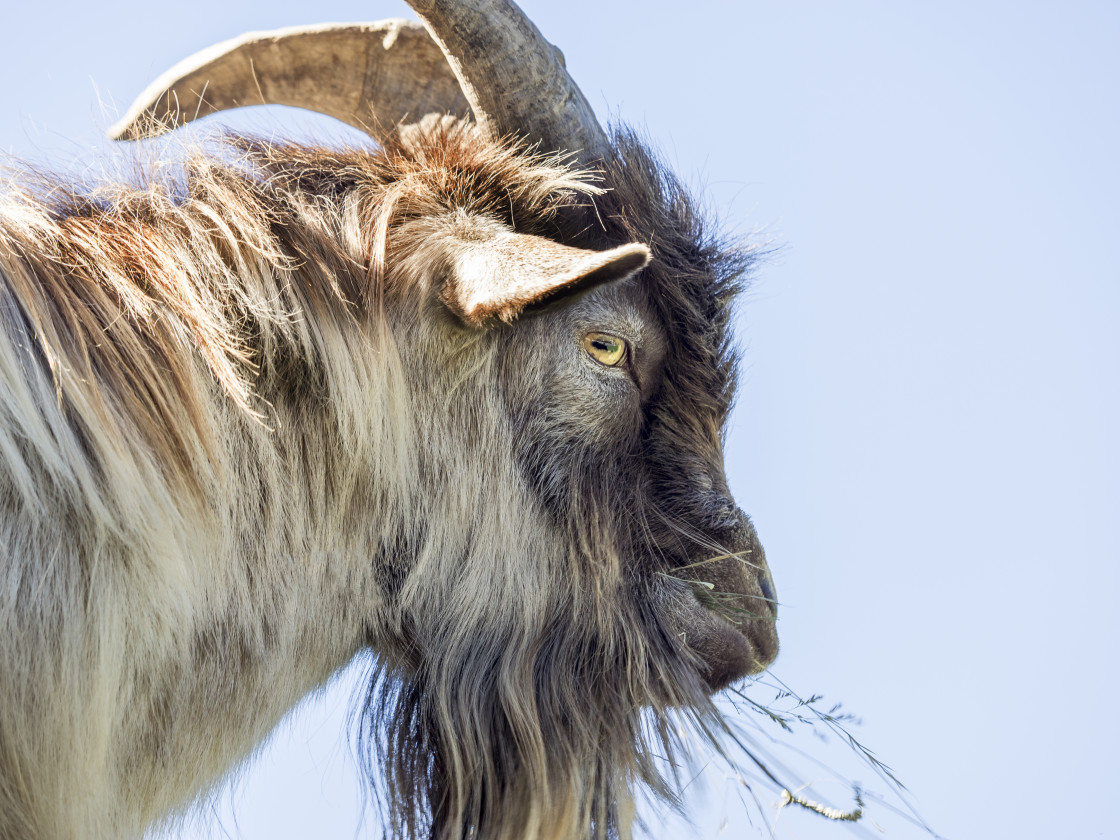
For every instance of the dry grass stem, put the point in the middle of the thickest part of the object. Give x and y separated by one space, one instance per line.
825 811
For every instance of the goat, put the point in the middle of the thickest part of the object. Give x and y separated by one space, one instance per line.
456 401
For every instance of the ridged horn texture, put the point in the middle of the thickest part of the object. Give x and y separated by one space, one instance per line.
369 75
514 79
486 57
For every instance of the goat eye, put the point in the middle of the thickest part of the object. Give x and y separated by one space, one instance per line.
606 349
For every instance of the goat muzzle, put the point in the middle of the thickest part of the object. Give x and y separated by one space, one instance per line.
728 614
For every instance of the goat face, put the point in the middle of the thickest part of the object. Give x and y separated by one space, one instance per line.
608 440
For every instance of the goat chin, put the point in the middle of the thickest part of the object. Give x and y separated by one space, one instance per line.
727 647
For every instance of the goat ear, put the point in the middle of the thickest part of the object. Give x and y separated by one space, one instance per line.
498 278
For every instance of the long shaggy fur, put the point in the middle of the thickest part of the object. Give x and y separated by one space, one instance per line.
241 441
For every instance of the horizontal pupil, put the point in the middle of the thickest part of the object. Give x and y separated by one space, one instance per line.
609 346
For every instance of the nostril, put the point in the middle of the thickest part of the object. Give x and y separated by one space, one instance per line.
767 589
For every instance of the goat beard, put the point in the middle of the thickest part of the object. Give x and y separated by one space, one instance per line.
533 736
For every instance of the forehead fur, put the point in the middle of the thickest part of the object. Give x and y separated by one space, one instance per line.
437 166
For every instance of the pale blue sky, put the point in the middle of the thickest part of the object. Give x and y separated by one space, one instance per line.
926 435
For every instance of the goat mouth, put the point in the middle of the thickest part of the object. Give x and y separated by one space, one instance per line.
725 612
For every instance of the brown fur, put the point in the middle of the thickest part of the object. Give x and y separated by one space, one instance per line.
242 440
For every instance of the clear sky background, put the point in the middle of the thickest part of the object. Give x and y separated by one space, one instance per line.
926 435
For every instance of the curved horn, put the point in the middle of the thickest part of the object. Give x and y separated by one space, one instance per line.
515 80
365 74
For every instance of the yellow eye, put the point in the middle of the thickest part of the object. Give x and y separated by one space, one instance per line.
606 349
